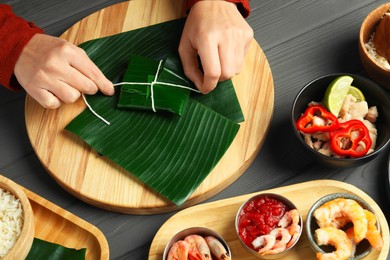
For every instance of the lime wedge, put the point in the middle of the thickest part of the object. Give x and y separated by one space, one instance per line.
355 92
336 92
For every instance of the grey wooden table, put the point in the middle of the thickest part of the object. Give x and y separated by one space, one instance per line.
301 39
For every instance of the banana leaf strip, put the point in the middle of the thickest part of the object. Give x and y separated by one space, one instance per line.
44 250
167 98
170 154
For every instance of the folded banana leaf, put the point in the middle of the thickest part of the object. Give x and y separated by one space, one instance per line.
44 250
142 72
170 154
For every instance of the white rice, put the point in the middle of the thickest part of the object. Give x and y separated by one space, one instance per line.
11 221
381 61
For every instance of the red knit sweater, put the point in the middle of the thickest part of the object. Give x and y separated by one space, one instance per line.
15 33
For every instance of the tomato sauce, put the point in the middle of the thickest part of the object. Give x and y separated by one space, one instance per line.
258 217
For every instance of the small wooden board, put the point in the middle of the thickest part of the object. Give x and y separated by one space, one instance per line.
97 180
56 225
220 217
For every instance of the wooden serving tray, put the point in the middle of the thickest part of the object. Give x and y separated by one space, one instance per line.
220 216
56 225
100 182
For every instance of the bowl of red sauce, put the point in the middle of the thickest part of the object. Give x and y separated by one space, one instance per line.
268 225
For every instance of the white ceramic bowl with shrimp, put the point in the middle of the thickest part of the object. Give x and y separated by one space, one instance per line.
265 247
219 245
363 248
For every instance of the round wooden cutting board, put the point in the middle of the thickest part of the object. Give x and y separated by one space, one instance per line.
100 182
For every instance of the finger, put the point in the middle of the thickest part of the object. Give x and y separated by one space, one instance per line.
79 81
90 70
64 92
45 98
209 57
229 56
189 60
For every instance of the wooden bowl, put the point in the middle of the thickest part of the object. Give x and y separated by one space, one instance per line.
376 72
24 242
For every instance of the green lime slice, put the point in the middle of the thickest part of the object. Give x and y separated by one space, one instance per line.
357 93
336 92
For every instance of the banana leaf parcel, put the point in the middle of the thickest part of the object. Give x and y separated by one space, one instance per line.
171 154
137 91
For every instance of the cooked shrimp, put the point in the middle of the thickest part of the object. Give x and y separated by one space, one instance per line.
178 251
373 236
264 242
351 236
327 214
337 238
198 248
280 244
275 250
294 230
282 237
290 217
216 248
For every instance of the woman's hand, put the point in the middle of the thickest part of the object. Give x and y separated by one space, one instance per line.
217 33
52 71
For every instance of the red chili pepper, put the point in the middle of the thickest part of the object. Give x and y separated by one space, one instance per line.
345 140
305 122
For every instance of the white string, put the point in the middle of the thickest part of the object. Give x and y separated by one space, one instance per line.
145 84
93 111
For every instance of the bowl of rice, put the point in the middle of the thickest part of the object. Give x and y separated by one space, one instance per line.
17 226
374 45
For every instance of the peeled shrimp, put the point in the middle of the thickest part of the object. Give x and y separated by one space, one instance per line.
198 248
331 212
290 221
351 236
265 242
337 238
290 217
294 230
216 248
282 237
179 251
373 236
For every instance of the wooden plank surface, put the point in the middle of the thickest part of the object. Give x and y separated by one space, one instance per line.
303 195
100 182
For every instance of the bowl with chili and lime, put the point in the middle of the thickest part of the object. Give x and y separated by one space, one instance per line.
342 120
268 225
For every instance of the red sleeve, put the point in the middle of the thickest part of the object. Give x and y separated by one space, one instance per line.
15 33
242 5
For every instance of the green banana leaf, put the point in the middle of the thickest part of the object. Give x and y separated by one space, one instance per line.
43 250
170 154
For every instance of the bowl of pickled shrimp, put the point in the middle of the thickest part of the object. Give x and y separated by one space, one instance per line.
197 243
342 226
268 225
